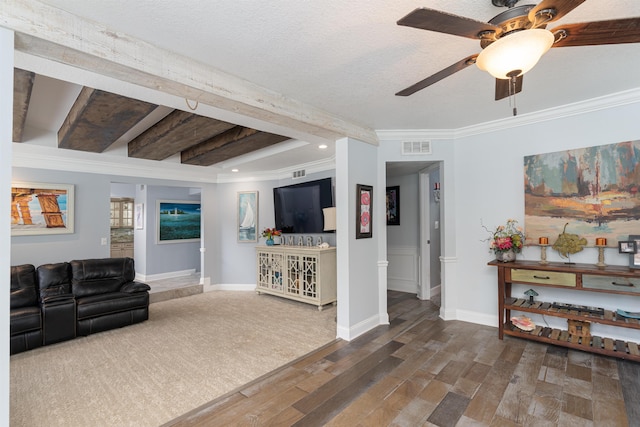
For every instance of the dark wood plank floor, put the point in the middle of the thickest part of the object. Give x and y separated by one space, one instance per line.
423 371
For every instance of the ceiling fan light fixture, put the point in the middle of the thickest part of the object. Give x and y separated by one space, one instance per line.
516 53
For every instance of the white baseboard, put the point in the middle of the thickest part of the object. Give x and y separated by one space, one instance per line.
436 290
229 287
401 286
168 275
355 331
478 318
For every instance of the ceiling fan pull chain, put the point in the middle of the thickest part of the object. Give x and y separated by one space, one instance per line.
512 94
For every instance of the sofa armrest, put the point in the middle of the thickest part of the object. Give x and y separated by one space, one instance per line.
56 298
131 287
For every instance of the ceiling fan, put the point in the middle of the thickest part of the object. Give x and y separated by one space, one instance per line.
514 40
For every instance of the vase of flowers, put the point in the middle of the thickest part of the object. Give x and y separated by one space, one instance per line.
506 241
269 233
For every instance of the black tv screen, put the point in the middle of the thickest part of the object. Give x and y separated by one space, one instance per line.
298 207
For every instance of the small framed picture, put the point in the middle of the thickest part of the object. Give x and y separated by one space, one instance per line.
393 205
627 247
634 257
364 211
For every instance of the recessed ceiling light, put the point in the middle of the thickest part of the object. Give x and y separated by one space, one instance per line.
323 146
234 170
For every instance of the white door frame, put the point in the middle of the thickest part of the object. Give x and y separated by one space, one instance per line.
424 271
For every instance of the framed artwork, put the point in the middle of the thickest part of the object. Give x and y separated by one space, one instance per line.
594 190
139 216
41 208
634 258
628 247
178 221
393 205
364 211
247 216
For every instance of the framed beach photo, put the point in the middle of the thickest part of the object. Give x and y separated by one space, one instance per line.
41 208
178 221
247 216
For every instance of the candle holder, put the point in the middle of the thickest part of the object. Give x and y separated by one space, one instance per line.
601 255
543 253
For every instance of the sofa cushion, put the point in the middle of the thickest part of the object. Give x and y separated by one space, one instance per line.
113 302
54 280
99 276
23 286
25 319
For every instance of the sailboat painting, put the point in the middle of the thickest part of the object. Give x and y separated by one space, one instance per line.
178 221
594 191
247 216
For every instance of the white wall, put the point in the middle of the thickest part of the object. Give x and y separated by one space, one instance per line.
358 288
490 188
403 241
6 137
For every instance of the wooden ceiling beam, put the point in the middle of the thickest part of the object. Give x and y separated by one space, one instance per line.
22 88
232 143
91 46
178 131
97 119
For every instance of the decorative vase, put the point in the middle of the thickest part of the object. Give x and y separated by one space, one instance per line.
507 256
270 241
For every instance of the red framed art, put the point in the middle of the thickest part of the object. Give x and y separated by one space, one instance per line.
364 211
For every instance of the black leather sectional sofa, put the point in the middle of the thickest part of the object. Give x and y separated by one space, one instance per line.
57 302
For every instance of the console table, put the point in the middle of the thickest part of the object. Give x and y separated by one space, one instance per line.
576 277
301 273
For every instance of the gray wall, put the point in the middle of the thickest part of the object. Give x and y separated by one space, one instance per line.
167 257
237 265
408 232
91 225
92 193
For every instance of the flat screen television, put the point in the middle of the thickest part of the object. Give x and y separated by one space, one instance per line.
298 207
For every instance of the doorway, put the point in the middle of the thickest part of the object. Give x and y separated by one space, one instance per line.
414 240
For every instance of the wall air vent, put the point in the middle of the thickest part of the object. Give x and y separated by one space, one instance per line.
416 147
299 174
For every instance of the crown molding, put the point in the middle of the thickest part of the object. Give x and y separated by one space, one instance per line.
577 108
284 173
40 157
583 107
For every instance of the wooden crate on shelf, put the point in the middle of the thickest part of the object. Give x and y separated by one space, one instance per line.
579 328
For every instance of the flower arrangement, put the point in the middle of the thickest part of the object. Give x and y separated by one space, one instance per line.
270 232
506 237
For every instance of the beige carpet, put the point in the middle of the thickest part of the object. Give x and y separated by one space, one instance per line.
190 351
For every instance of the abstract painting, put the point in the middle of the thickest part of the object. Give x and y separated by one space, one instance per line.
594 190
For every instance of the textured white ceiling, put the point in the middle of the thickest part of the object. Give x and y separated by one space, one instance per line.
350 57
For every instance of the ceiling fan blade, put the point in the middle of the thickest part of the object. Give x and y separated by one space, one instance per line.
502 87
460 65
561 7
443 22
615 31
